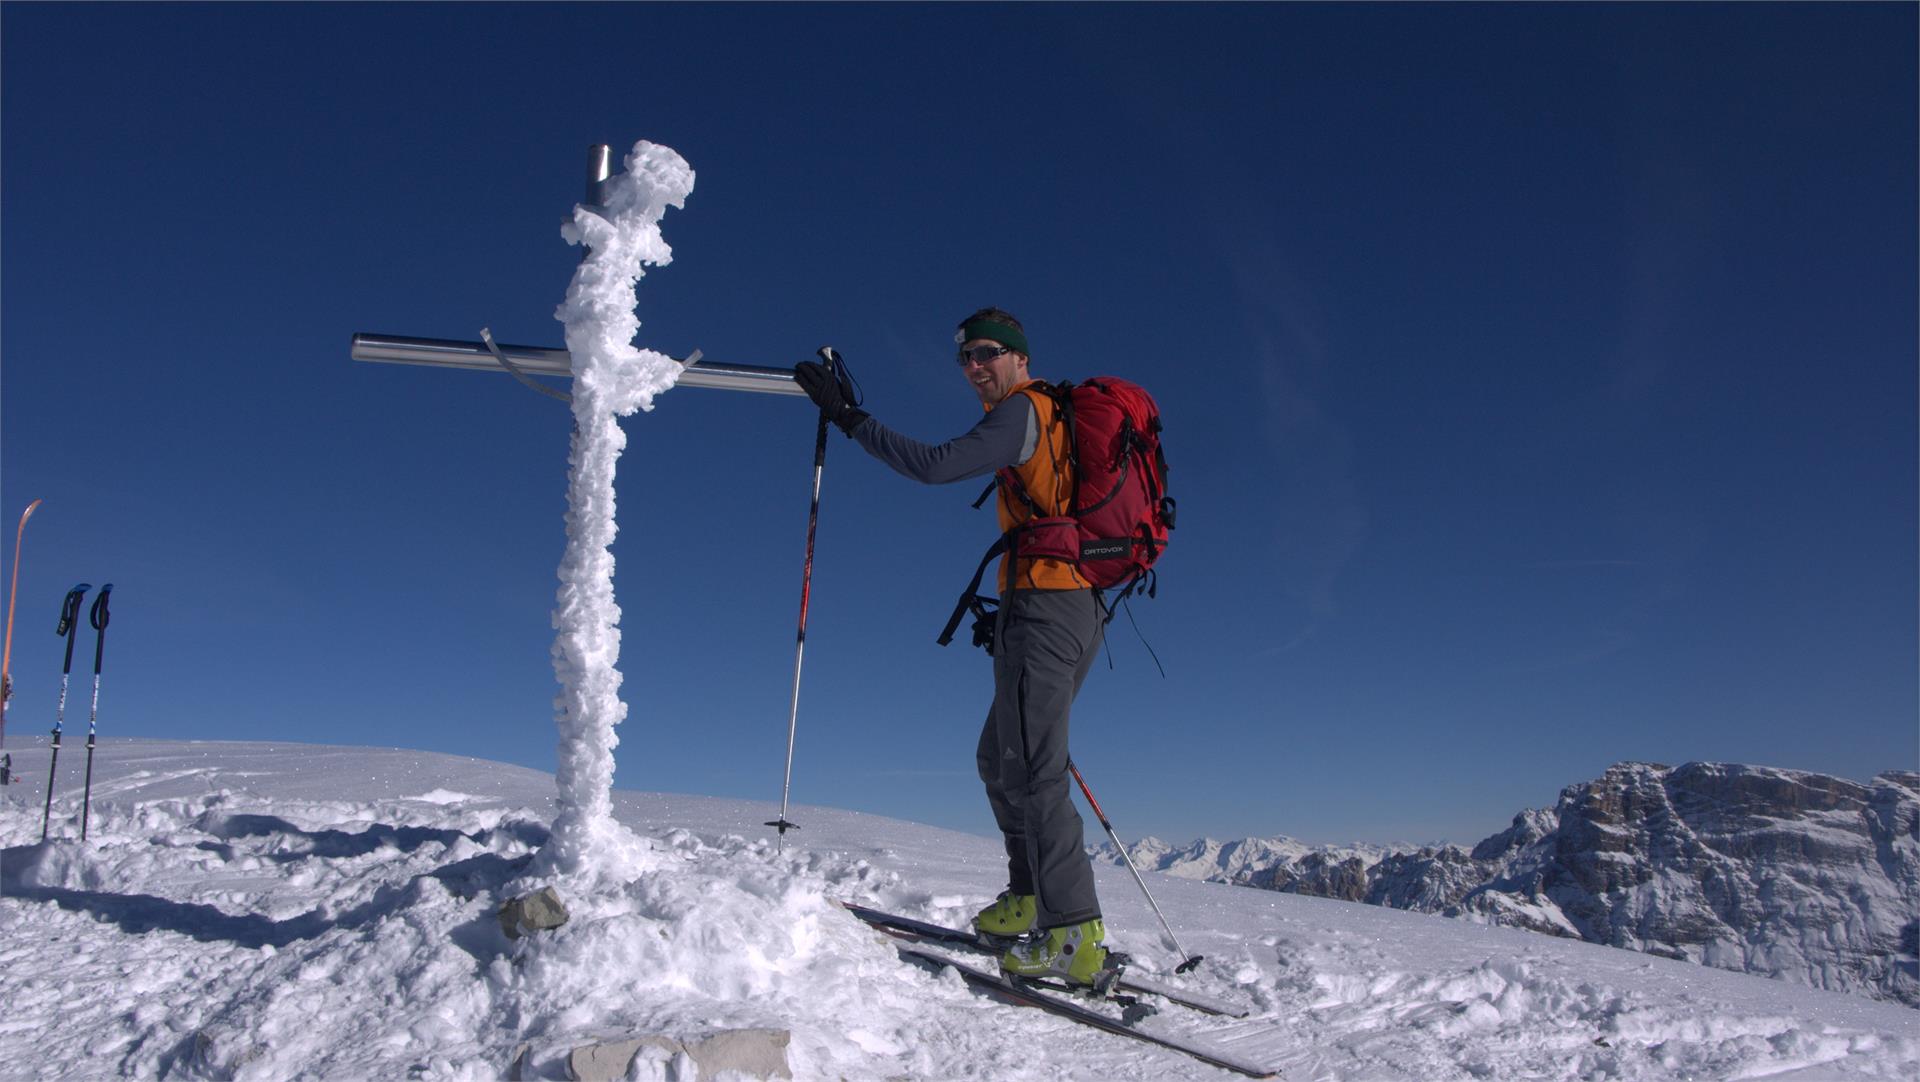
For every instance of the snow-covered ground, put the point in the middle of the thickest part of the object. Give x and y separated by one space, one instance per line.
289 911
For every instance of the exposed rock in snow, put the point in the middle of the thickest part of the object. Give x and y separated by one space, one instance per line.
746 1053
541 911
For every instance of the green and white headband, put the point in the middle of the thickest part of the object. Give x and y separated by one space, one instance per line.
992 331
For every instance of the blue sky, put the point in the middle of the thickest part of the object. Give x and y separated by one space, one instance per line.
1540 384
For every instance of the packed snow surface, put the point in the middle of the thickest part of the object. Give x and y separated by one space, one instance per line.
259 911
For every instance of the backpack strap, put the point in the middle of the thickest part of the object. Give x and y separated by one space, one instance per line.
1007 481
1012 591
972 591
1062 395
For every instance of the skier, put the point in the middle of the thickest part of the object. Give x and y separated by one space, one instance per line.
1043 640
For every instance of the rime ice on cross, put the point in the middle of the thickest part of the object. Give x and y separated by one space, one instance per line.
611 379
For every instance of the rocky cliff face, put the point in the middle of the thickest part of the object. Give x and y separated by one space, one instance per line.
1800 876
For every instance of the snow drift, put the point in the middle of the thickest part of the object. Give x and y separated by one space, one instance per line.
282 912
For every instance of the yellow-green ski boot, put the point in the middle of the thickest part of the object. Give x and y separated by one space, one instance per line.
1009 917
1072 953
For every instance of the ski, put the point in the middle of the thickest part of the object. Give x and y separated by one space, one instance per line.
954 937
997 985
6 653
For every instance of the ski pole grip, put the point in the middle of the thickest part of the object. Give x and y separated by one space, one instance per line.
837 367
831 358
70 608
70 621
98 618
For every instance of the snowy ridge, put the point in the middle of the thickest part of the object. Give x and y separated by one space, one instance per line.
1783 873
1228 862
252 911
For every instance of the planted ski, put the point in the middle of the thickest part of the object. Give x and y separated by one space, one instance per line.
998 986
6 652
924 932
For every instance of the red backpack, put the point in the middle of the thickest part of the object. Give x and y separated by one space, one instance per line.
1121 510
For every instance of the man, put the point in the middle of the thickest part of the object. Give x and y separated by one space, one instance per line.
1047 632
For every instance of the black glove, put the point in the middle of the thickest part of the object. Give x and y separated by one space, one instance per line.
829 394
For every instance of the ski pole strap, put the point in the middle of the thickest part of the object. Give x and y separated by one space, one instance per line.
98 618
69 628
973 590
70 608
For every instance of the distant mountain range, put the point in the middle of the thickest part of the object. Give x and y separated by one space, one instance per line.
1800 876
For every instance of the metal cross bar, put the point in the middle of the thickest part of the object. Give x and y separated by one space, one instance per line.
447 353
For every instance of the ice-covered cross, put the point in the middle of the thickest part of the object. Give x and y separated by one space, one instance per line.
611 379
620 228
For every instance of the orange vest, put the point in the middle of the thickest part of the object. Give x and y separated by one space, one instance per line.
1048 479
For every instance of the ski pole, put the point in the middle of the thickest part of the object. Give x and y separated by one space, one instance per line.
1192 960
70 628
98 618
832 360
6 653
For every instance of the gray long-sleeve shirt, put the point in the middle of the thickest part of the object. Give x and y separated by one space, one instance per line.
1006 436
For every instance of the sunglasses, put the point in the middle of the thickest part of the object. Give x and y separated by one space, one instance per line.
981 354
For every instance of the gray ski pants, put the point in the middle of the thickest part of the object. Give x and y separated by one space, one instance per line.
1045 645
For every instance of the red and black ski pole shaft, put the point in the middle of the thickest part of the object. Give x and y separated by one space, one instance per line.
70 629
782 825
1190 960
98 618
